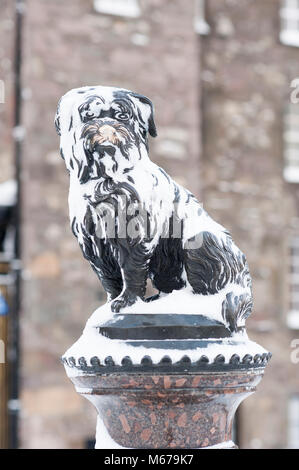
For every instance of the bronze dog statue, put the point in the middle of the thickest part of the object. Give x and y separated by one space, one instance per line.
115 187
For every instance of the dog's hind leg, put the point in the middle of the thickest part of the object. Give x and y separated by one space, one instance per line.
214 264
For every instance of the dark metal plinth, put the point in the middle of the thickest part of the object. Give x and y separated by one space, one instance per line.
163 326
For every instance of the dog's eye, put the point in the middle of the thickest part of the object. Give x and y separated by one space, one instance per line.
122 115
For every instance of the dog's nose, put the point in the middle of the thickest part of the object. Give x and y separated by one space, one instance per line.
108 132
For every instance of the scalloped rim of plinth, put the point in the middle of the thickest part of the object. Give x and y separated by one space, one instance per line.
218 364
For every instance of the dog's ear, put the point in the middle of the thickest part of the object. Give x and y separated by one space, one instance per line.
57 119
146 102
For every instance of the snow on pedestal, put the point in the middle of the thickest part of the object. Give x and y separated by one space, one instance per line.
92 344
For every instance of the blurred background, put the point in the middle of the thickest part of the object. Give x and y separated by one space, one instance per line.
222 76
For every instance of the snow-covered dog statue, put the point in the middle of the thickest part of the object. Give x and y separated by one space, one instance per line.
132 221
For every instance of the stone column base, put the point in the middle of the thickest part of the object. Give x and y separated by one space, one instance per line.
162 381
152 410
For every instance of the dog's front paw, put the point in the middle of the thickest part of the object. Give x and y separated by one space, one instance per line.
124 300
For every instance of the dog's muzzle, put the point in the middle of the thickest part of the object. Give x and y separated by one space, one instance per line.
108 133
101 133
106 137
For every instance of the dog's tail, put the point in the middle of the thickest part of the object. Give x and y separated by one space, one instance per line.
235 310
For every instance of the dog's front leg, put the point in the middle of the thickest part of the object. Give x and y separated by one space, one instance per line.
134 263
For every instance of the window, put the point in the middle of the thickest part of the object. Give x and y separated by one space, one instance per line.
200 24
289 21
293 422
128 8
293 310
291 143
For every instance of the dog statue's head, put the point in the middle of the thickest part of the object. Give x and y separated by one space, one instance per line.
103 130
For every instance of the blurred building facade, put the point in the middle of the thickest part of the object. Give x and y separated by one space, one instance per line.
249 184
220 75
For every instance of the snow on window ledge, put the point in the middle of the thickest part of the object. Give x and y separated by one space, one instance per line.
126 8
8 193
200 24
201 27
293 320
289 38
291 174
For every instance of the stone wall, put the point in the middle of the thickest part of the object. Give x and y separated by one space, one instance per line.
6 77
246 76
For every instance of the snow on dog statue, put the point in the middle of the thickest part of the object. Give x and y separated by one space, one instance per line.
132 221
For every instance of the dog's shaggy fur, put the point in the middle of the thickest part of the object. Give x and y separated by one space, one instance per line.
104 142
